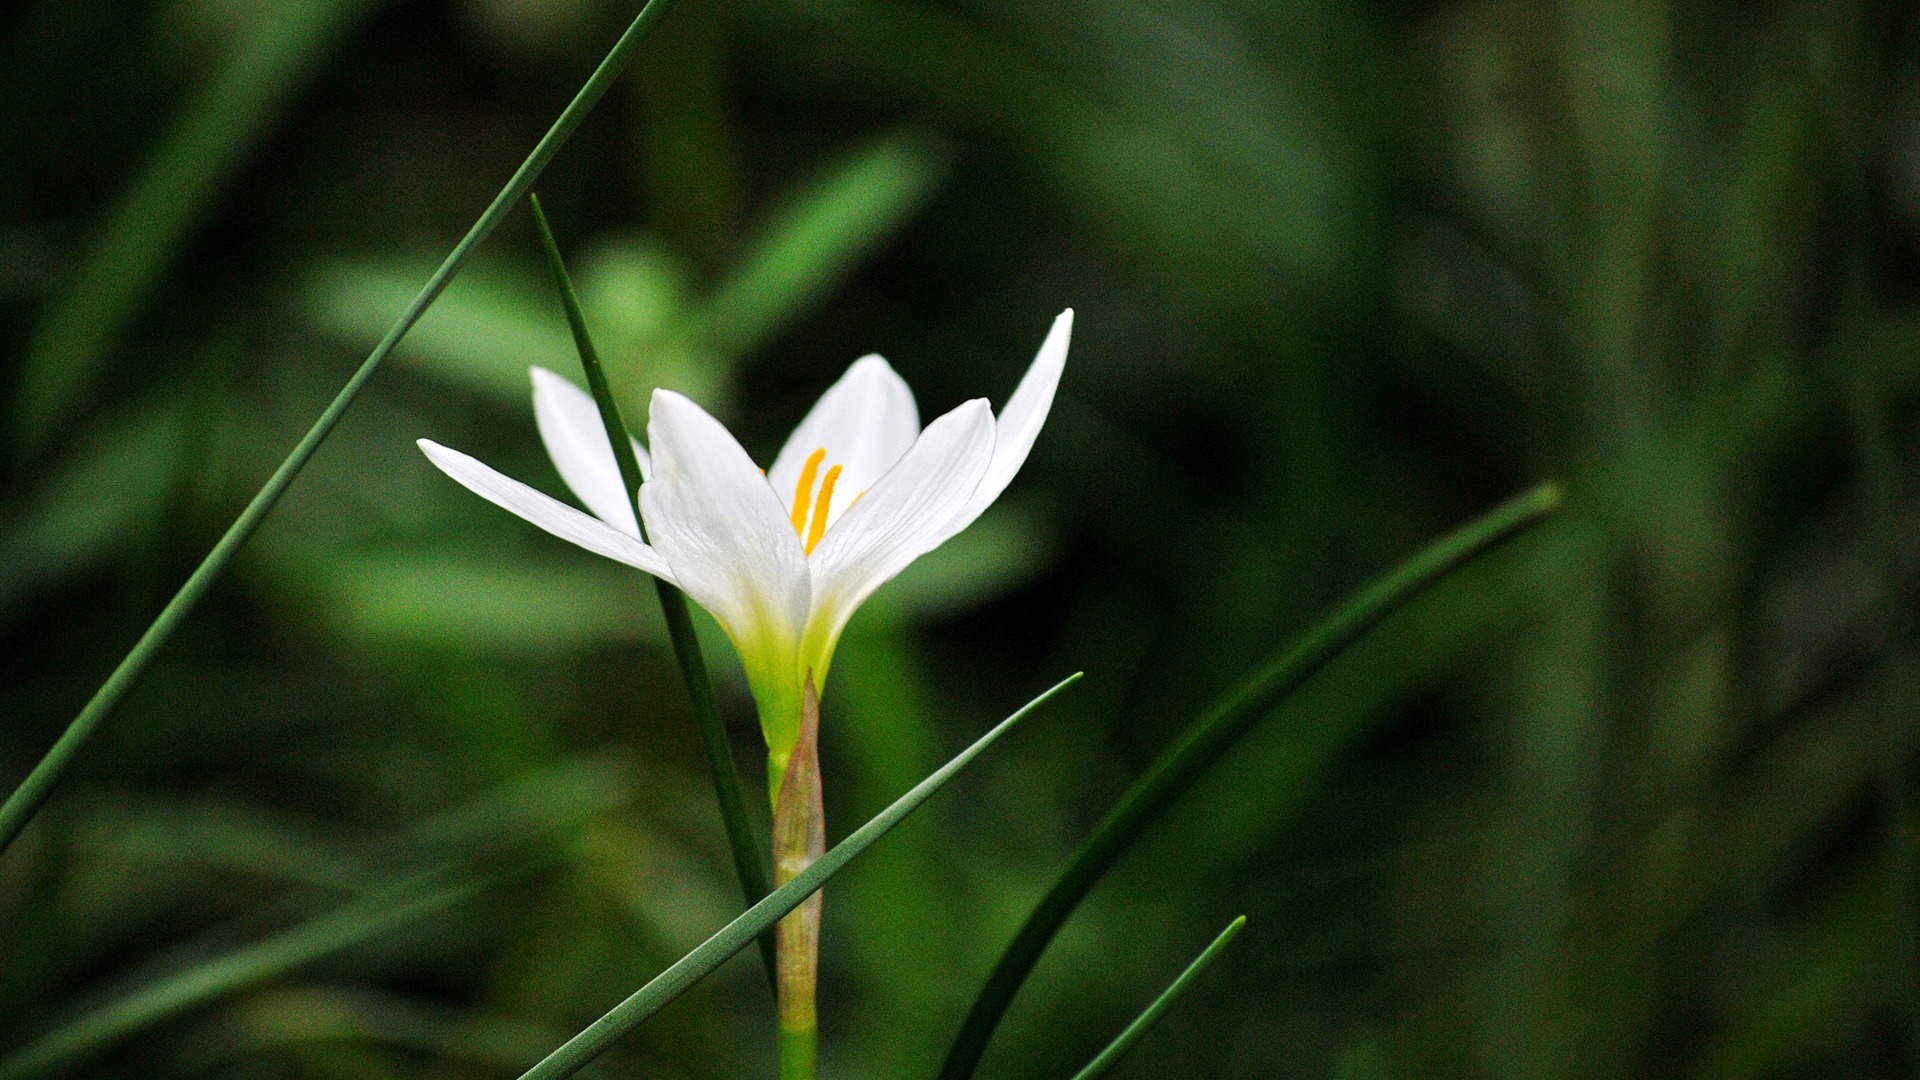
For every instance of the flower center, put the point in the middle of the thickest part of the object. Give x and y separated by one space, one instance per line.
803 499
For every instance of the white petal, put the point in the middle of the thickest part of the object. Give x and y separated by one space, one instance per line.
549 513
712 515
576 439
864 422
901 518
1019 423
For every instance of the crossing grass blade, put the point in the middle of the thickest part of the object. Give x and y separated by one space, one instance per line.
1209 738
33 792
578 1051
1124 1041
747 848
362 920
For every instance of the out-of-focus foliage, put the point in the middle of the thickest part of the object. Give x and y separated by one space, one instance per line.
1633 798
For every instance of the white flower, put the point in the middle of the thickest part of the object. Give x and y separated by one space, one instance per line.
781 558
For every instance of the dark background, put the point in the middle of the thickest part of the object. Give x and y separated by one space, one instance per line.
1633 797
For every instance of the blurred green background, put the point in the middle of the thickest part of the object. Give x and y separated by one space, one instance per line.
1633 797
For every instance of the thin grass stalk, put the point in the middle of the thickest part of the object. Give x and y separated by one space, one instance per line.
701 700
1124 1041
1209 738
33 792
706 958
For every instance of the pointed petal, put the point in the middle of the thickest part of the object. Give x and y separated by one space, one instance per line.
576 439
903 516
866 421
722 529
1019 423
549 513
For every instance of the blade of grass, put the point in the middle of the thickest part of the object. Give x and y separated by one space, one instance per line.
169 996
1208 739
1124 1041
27 799
265 64
746 847
817 236
576 1052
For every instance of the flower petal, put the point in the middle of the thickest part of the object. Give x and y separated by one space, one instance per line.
903 516
576 439
1019 423
722 529
549 513
866 421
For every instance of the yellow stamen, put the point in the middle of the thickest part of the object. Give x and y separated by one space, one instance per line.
820 509
803 491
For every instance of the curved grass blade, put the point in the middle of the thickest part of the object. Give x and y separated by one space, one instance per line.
1208 739
1124 1041
167 997
573 1055
34 790
673 605
264 67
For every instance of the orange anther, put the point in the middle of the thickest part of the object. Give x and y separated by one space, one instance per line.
820 509
803 491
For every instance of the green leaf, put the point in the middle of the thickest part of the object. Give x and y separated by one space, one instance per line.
172 995
995 555
736 935
34 791
747 849
1125 1040
211 138
96 501
480 337
283 1018
1209 738
817 237
475 601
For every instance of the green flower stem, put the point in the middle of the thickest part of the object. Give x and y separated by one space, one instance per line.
1209 738
1124 1041
33 792
576 1053
799 1053
799 839
673 605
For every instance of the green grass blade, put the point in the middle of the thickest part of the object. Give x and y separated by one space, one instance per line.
267 62
1208 739
1124 1041
716 950
817 237
168 997
27 799
747 849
